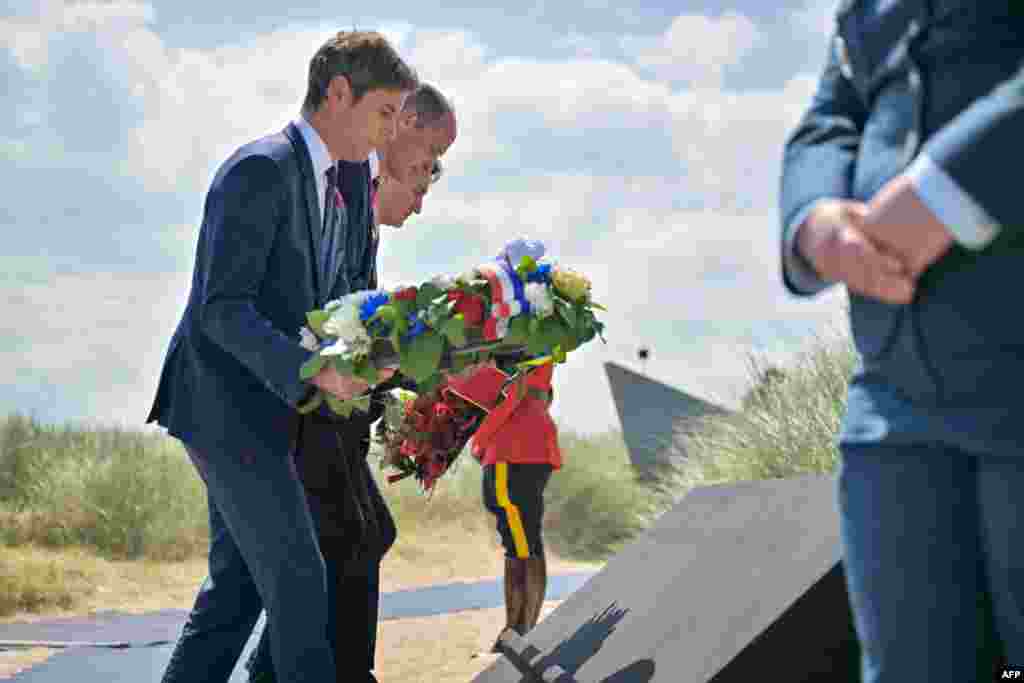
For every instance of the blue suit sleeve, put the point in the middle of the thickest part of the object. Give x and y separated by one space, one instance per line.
243 217
979 147
818 162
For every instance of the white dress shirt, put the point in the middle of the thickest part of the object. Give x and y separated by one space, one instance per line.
320 157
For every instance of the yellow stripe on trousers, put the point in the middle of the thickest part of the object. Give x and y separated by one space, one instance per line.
515 522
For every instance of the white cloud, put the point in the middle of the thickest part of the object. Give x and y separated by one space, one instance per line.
696 48
98 336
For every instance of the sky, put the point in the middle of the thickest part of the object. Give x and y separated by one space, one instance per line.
641 144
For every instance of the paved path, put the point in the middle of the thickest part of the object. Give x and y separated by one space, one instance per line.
151 635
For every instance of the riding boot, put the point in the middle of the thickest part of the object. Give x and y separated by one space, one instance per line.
536 588
515 596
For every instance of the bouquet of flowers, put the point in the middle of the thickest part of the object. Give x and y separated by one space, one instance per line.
422 435
519 304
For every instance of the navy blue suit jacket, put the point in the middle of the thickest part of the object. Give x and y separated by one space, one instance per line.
230 380
941 77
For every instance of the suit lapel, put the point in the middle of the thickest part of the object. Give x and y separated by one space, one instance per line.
314 219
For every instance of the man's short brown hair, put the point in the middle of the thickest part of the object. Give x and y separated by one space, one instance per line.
365 58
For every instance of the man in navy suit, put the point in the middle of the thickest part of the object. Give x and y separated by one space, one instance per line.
329 472
275 235
900 183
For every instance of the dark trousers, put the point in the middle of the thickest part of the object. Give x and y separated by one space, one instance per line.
355 530
263 554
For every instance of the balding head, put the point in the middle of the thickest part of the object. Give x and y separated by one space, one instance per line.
431 107
427 131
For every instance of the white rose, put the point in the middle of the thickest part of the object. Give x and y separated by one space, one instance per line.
308 340
541 303
444 282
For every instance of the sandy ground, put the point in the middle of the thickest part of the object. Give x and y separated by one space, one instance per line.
433 649
451 648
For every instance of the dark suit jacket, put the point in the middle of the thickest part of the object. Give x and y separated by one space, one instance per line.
941 77
230 380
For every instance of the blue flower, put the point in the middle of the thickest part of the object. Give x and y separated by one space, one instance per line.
370 306
542 274
417 327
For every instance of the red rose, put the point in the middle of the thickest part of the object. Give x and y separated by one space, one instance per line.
406 294
443 412
471 306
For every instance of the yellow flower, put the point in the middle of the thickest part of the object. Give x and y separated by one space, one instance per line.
571 284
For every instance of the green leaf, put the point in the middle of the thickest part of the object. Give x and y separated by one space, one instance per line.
339 407
387 313
455 330
518 330
526 266
312 367
366 371
527 263
534 326
342 365
403 307
421 356
558 354
553 332
535 345
312 404
429 384
362 404
426 294
568 314
598 306
316 320
460 362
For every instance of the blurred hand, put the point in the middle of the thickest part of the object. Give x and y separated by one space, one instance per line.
834 242
341 386
901 224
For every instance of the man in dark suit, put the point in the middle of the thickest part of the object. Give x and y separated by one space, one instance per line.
355 526
899 183
275 233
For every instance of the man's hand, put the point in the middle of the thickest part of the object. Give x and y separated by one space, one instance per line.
901 224
834 242
341 386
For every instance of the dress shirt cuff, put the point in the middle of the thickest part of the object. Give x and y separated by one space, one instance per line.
798 270
966 220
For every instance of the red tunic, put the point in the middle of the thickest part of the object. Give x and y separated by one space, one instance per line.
518 428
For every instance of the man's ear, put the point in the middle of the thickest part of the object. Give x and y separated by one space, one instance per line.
406 120
339 92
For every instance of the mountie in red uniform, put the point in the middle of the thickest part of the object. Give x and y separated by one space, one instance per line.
517 444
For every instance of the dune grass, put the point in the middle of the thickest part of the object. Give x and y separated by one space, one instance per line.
787 426
74 497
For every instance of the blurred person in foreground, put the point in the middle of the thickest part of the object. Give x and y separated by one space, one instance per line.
899 183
